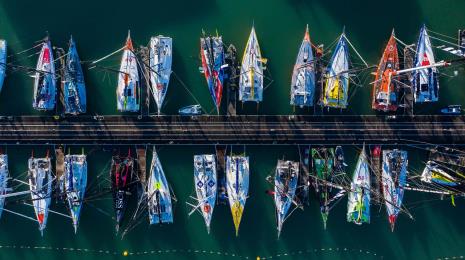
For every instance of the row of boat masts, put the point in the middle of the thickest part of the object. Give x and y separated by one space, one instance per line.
419 73
380 176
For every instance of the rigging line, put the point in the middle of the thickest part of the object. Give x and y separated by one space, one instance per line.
447 36
441 40
355 50
21 52
185 87
107 56
406 45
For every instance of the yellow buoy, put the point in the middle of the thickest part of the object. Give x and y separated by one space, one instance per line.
125 253
258 258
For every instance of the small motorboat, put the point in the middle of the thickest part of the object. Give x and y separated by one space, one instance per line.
191 110
452 110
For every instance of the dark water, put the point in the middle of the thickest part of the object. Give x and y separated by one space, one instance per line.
100 27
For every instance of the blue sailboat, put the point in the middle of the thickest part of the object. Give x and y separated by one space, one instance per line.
425 81
74 87
336 84
303 76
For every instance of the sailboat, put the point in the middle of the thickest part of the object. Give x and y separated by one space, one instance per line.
45 81
74 87
446 176
303 75
323 178
121 174
158 193
213 64
394 177
161 56
285 185
425 81
2 62
205 181
358 204
40 185
75 182
237 185
4 176
128 89
251 76
385 86
336 80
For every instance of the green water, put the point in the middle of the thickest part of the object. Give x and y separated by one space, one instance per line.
100 27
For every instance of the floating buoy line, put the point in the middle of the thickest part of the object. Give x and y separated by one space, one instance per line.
125 253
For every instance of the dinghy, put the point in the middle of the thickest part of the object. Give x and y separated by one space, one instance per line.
75 182
303 75
385 85
336 80
161 56
128 90
285 185
358 204
237 185
4 176
394 177
74 87
121 174
251 76
45 81
425 81
213 64
158 194
205 181
40 185
191 110
2 62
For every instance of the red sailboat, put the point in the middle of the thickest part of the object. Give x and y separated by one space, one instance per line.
385 86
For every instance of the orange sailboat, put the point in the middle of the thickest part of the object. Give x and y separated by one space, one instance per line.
385 86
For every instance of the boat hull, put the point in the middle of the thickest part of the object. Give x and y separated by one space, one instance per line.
425 81
4 175
40 185
121 174
394 177
303 75
237 183
336 81
45 80
159 196
213 60
161 56
358 204
128 89
205 181
75 183
322 170
285 183
251 75
3 55
74 86
385 86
